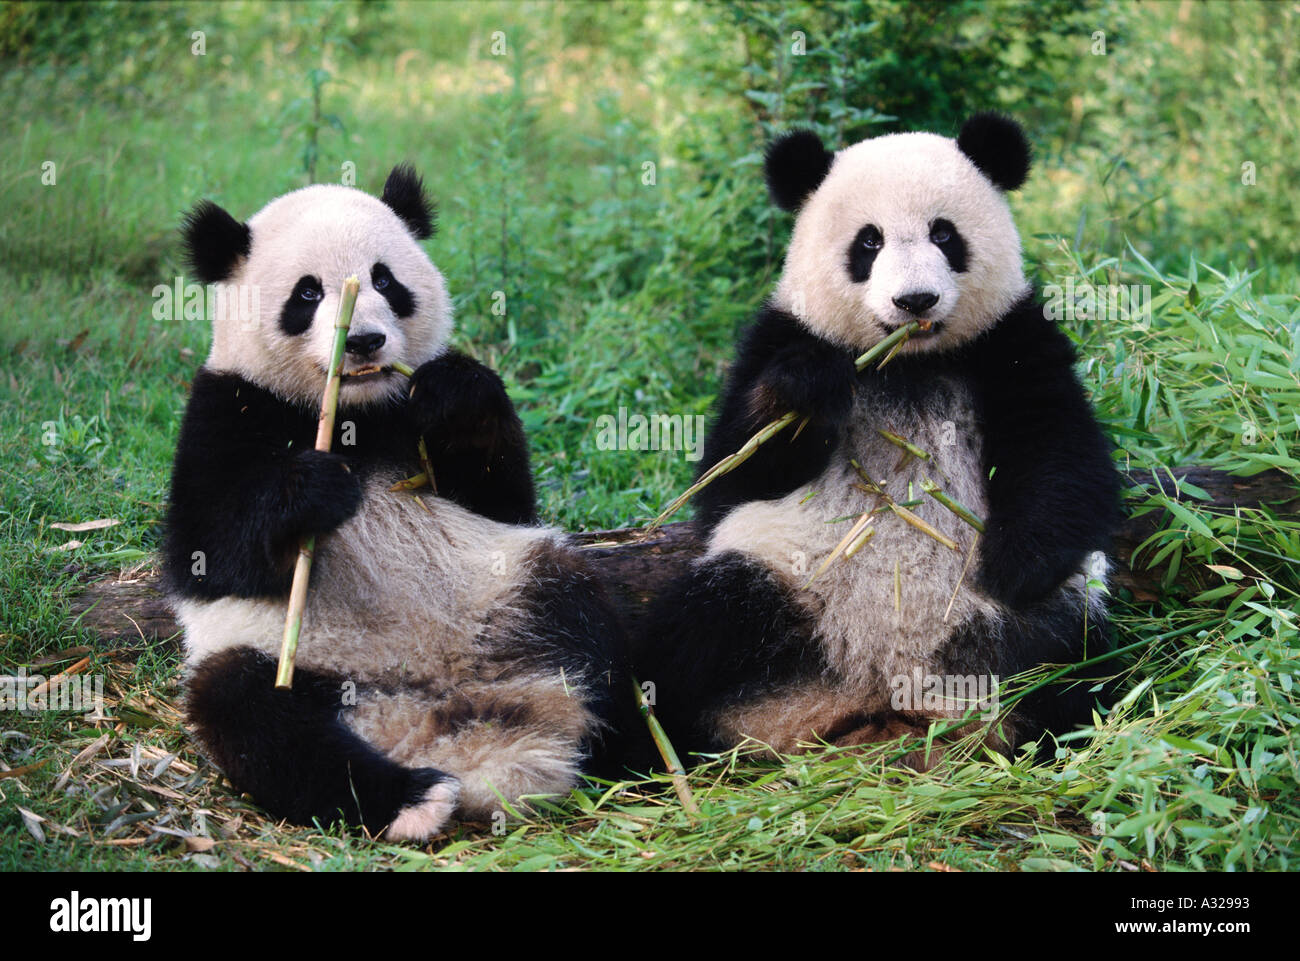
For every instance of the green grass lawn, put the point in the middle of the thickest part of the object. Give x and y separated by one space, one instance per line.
624 285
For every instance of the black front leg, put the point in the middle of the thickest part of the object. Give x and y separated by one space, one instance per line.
780 367
474 437
1054 490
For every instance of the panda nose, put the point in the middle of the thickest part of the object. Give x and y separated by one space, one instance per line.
918 303
364 345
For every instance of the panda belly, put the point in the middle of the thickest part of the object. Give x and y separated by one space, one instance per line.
894 604
409 589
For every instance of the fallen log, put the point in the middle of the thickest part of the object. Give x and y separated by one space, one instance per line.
636 566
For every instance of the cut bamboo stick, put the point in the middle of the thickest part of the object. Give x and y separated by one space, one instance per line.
965 513
676 772
324 440
849 545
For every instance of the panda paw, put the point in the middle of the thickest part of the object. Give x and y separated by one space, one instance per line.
428 814
455 397
815 381
322 492
1015 572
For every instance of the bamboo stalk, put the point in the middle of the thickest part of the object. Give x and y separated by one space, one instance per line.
962 578
411 483
665 747
850 540
427 477
724 466
906 445
965 513
922 526
728 464
324 440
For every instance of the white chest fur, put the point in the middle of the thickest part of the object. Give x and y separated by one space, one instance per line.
883 609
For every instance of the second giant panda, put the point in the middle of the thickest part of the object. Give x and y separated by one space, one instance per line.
454 655
748 643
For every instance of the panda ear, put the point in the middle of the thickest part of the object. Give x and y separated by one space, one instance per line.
795 166
997 145
404 193
214 241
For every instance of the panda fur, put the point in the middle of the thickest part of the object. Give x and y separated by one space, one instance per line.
892 229
453 655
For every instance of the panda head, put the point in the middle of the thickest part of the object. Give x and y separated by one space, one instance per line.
910 226
279 279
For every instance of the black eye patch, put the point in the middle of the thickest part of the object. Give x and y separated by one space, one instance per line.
297 313
862 252
398 297
944 236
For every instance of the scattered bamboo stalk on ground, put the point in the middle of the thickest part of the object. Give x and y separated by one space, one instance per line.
665 747
324 440
750 447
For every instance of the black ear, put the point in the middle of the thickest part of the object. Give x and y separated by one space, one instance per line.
404 192
214 241
997 145
795 165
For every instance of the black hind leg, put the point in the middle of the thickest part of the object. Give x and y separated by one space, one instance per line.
724 632
291 751
1051 634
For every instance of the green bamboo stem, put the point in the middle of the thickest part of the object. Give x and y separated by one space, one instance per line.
725 466
965 513
906 445
324 440
676 772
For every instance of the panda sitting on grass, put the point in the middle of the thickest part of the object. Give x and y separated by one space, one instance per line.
981 404
454 657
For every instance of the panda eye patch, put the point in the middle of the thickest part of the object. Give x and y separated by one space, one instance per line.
393 290
308 288
945 236
298 311
862 252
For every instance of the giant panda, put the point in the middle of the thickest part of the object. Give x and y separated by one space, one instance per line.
909 227
454 656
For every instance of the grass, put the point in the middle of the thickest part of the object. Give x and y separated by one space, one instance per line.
619 293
